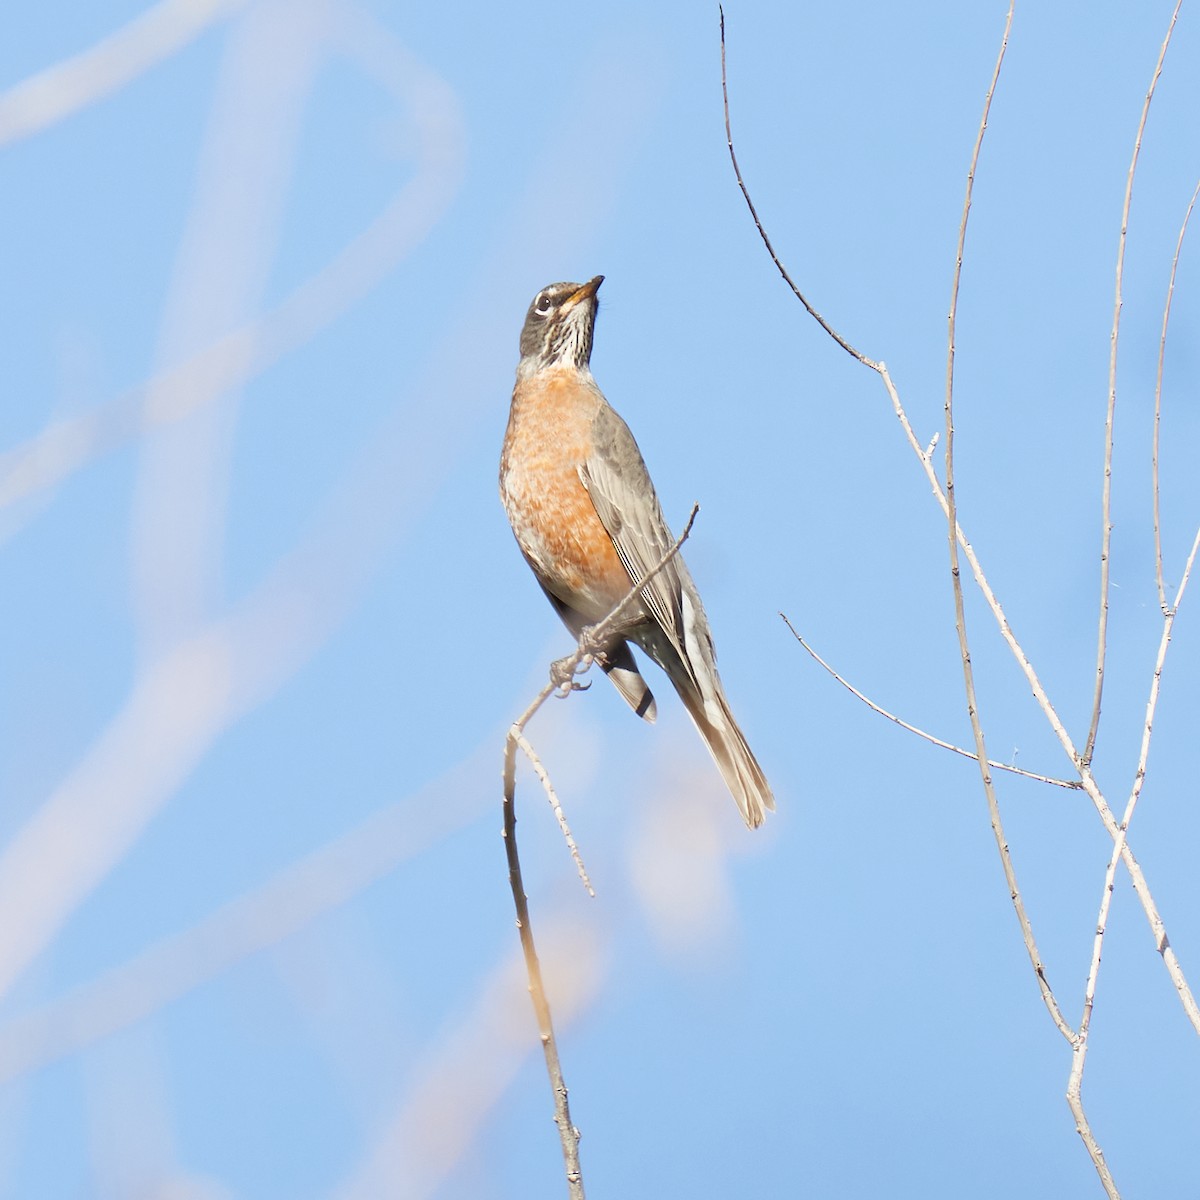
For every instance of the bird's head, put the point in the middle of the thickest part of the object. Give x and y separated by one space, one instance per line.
558 326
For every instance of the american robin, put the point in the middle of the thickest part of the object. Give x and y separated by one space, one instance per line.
589 523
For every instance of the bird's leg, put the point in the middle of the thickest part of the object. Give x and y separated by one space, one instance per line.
591 649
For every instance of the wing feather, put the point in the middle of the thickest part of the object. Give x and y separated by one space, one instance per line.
619 485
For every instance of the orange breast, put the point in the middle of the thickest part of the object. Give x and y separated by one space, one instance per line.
547 441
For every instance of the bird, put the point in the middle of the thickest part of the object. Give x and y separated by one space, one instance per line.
589 523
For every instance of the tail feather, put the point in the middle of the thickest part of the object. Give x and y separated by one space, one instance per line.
734 758
699 687
621 667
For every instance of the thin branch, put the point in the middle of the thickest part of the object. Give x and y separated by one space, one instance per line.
929 737
590 641
1139 779
567 1132
551 795
1152 703
1106 495
960 616
1162 352
1080 1047
762 233
1074 1093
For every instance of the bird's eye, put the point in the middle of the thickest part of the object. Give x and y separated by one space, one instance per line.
543 305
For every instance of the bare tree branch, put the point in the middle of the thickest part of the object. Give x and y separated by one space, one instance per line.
929 737
1158 379
1106 495
960 616
762 233
551 795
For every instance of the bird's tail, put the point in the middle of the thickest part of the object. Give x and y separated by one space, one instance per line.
621 667
710 712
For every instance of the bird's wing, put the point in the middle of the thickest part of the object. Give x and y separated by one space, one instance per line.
619 485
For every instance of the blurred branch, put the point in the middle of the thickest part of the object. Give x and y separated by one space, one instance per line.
83 79
468 1068
562 680
236 357
1106 494
191 689
929 737
296 896
1158 380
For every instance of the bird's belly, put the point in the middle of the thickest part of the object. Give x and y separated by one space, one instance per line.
560 534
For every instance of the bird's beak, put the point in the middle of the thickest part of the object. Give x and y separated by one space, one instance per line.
586 292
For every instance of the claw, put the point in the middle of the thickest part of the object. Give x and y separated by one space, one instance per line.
563 672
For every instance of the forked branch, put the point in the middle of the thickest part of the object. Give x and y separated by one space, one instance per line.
926 459
921 733
956 539
1091 787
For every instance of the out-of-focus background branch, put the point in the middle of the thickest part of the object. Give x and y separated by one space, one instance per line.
265 265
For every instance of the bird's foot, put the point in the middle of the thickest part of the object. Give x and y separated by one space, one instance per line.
563 672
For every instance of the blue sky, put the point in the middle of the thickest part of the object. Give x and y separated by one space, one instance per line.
265 265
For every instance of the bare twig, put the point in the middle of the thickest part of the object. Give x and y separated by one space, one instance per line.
1106 495
551 795
1162 352
590 641
1080 1043
567 1132
1078 1039
762 233
929 737
1139 779
960 616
